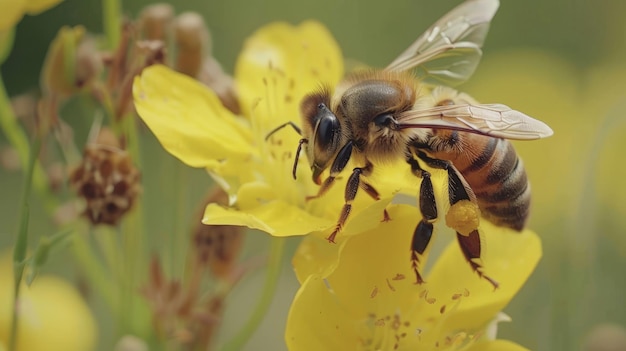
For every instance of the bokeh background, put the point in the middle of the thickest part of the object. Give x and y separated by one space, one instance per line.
561 61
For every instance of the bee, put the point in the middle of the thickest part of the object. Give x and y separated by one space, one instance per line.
374 116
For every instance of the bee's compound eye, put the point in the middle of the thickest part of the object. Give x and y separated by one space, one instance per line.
326 131
384 120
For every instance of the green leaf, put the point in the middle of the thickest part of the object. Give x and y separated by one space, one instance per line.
6 43
42 252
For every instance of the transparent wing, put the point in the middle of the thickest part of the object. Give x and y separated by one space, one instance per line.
449 51
495 120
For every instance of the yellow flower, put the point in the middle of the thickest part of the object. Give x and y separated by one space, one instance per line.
52 314
13 10
370 300
278 66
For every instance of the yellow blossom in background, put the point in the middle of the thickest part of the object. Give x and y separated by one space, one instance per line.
13 10
52 314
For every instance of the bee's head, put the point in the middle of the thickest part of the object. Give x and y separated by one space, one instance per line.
322 130
370 107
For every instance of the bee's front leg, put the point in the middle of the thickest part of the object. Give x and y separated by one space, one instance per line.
352 187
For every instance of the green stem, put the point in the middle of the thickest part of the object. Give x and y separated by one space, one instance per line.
269 290
111 10
18 139
134 236
98 276
21 244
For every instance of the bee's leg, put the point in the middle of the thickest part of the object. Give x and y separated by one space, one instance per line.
428 209
373 193
459 190
339 163
352 186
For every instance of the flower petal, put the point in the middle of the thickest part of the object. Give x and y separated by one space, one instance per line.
317 320
373 280
279 64
497 345
315 255
270 218
188 119
304 56
34 7
508 257
12 11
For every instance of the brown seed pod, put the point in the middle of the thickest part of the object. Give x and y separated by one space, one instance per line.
217 246
107 180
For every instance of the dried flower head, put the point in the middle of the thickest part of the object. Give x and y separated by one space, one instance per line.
107 180
181 311
217 246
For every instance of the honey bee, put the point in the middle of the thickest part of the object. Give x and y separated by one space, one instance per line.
377 115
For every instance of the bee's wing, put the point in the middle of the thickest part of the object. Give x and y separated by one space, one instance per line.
495 120
450 49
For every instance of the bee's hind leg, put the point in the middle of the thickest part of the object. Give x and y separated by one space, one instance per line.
459 190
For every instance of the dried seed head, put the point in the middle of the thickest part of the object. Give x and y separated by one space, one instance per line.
217 246
155 20
193 43
107 180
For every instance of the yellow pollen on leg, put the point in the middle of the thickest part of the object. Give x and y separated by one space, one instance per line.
464 217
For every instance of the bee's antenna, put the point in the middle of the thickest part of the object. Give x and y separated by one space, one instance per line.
302 141
295 162
290 123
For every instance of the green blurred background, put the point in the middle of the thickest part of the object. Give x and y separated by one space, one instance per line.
561 61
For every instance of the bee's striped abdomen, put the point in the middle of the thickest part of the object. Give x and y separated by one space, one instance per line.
496 174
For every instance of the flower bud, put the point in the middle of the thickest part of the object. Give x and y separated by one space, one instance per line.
72 62
193 43
194 58
221 83
154 21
